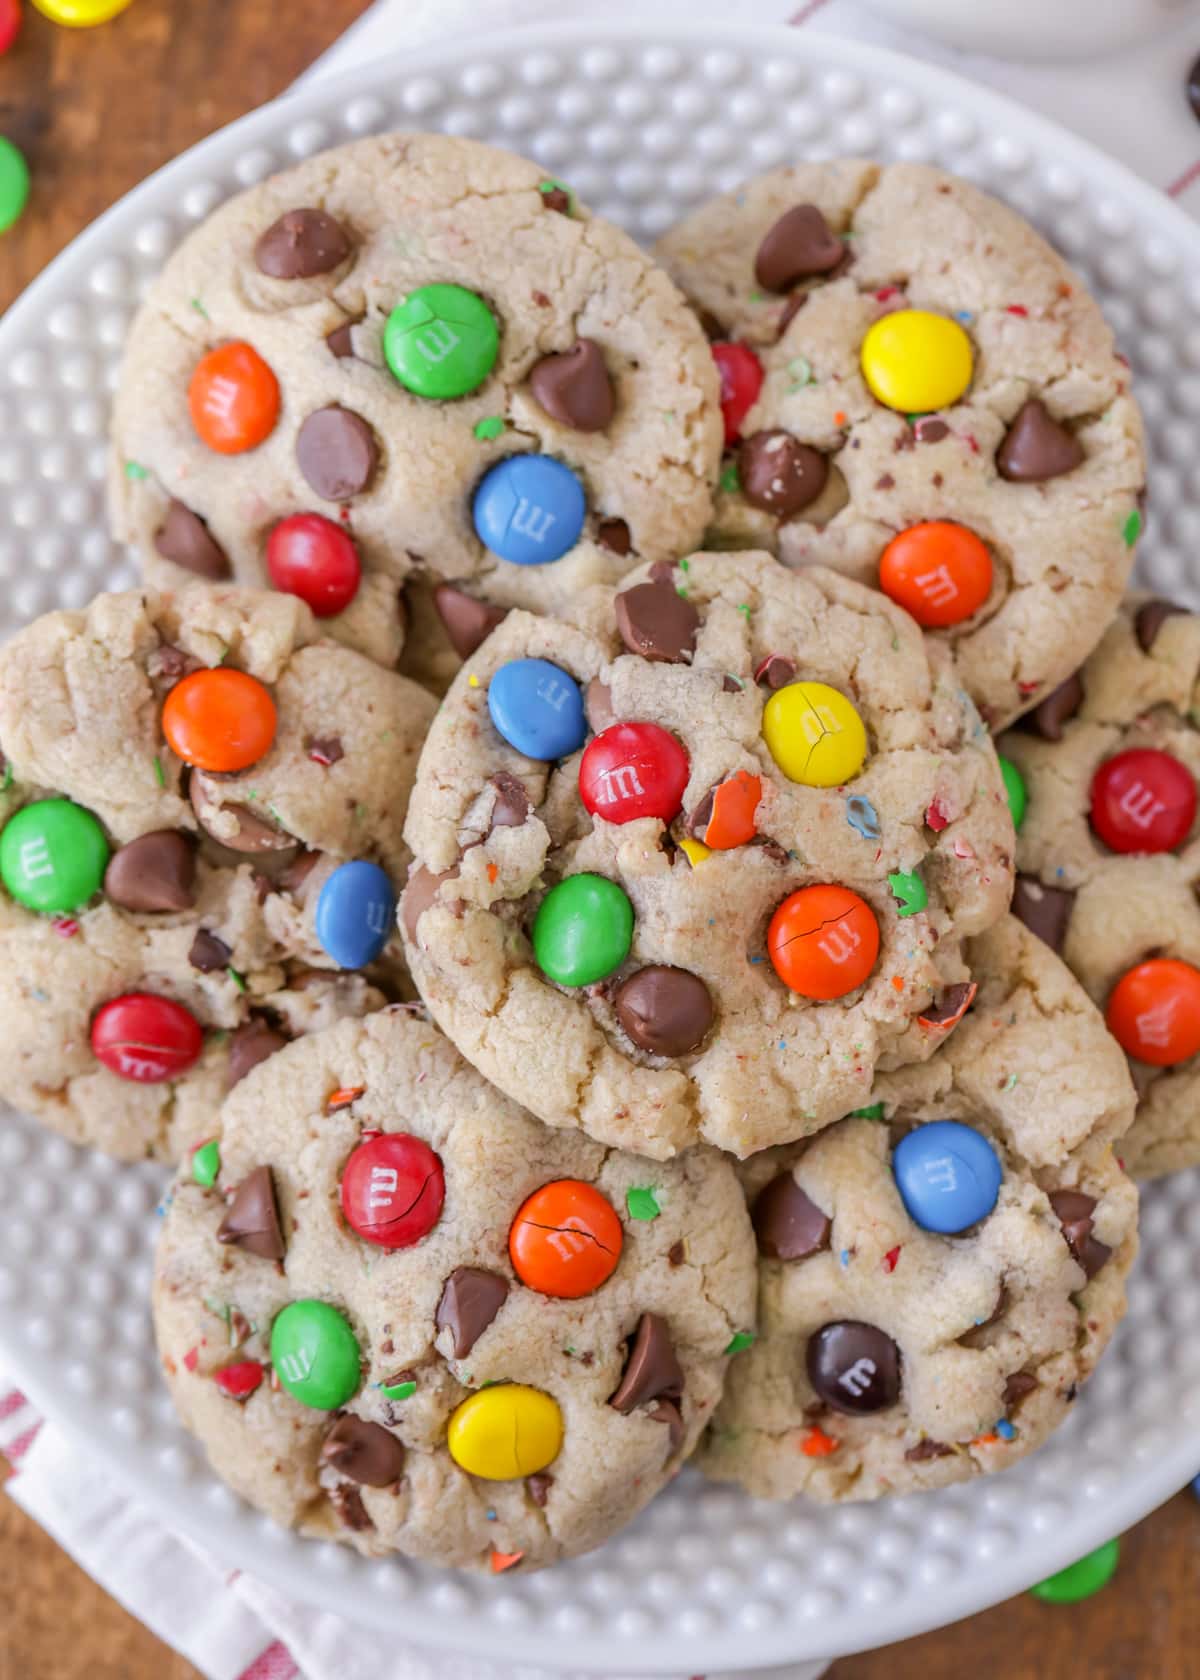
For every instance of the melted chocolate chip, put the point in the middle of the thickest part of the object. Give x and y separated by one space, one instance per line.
300 244
799 245
252 1221
613 534
1037 447
598 706
927 1449
363 1452
1058 707
512 804
419 894
468 622
155 872
208 953
347 1502
295 878
666 1011
337 453
184 538
574 388
471 1298
655 621
539 1485
652 1372
1019 1384
252 833
854 1367
1073 1210
1150 618
1045 911
787 1222
668 1412
341 341
557 199
251 1043
779 474
952 1003
325 749
776 671
168 665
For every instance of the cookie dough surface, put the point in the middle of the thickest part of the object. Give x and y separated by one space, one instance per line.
1105 911
81 698
996 1328
691 1264
774 1066
916 237
415 210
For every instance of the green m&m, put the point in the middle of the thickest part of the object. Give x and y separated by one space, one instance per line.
53 856
316 1355
14 184
441 342
1014 787
583 930
1080 1580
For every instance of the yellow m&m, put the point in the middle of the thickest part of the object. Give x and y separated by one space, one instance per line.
814 734
80 14
915 361
505 1432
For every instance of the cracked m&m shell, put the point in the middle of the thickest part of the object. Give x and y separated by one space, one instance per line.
309 556
1154 1012
915 361
393 1188
529 509
441 342
146 1039
583 930
633 770
355 912
505 1432
823 942
939 572
233 399
814 734
538 708
1143 800
315 1353
53 855
948 1176
219 720
566 1239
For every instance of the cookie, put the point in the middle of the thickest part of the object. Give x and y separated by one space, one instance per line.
744 893
918 391
407 1316
939 1275
201 818
1109 857
413 358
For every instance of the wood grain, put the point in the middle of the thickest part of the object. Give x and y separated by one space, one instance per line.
95 111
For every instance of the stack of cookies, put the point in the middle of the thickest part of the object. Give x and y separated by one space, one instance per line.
547 885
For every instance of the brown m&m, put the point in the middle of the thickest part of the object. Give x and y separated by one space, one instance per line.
854 1367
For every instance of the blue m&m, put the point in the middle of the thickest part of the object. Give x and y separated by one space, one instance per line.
355 913
529 509
538 708
948 1176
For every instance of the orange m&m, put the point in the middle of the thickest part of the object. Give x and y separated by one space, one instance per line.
938 571
823 942
233 399
566 1239
1154 1012
219 720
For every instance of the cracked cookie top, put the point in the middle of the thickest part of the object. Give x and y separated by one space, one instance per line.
919 391
202 808
693 867
405 1315
413 357
938 1276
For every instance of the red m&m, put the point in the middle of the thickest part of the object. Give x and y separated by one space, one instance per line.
308 555
1154 1012
146 1039
741 375
1143 800
633 770
393 1188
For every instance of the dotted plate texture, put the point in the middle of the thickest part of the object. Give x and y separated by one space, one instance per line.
644 124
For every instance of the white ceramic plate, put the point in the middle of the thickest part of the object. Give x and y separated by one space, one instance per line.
644 125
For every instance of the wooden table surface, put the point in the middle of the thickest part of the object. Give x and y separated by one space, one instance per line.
95 111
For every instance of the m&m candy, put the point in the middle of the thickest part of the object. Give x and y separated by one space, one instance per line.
146 1039
233 399
823 942
241 1379
583 930
939 572
948 1176
441 341
726 816
1154 1012
14 184
393 1188
53 855
1080 1580
566 1239
633 770
219 720
309 556
81 14
505 1432
529 509
10 23
538 708
915 361
741 375
1143 800
1014 789
315 1354
355 912
814 734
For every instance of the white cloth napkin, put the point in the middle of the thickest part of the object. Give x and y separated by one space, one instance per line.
230 1626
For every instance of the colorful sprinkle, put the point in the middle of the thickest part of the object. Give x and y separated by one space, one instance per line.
135 469
908 890
160 775
863 817
1005 1430
890 1259
743 1340
206 1163
397 1391
1132 528
343 1097
642 1203
491 427
505 1560
729 481
816 1444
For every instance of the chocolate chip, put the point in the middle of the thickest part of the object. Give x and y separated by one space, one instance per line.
155 872
668 1412
652 1372
779 474
1059 706
300 244
557 199
1044 910
419 894
337 453
347 1502
252 833
787 1222
184 538
854 1367
1150 618
363 1452
325 749
598 706
168 665
512 804
677 1253
539 1485
776 671
931 430
927 1449
952 1003
470 1301
252 1221
788 313
468 622
295 878
341 341
574 387
1073 1210
1019 1384
251 1043
800 244
208 953
613 534
1037 447
666 1011
655 621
